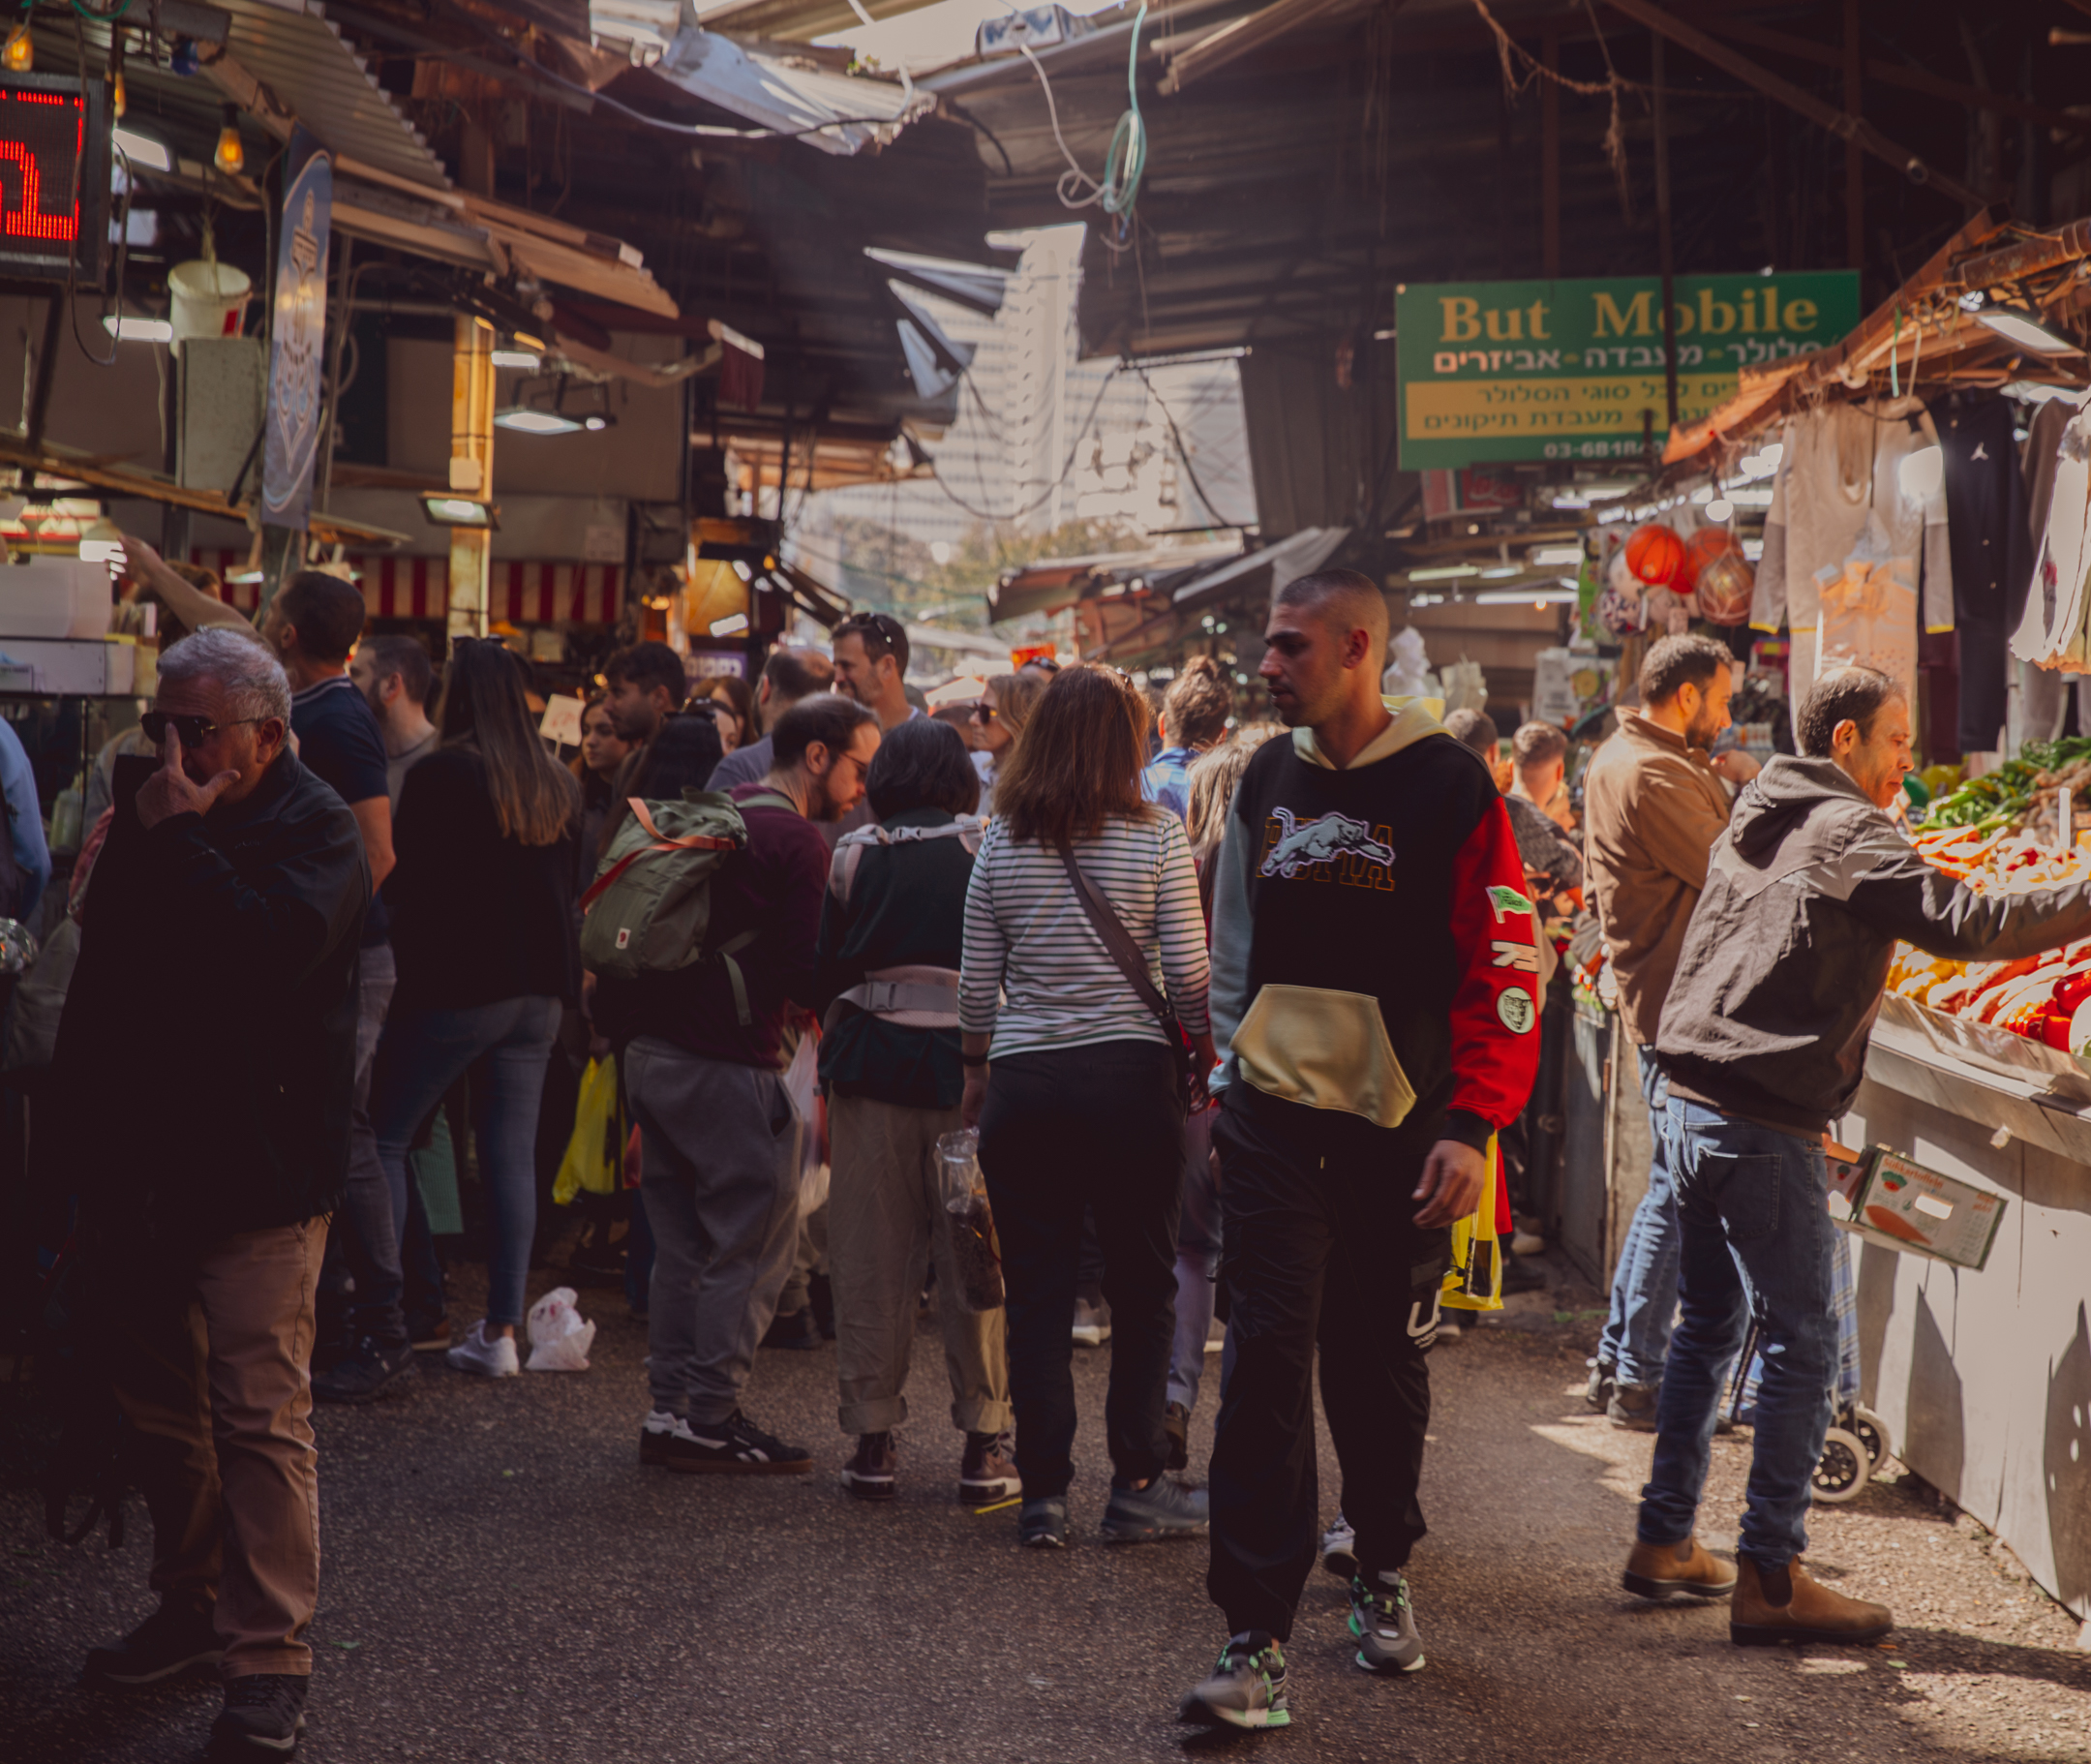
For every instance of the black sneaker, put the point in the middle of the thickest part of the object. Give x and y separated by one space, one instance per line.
735 1446
1042 1525
1176 1423
869 1472
263 1714
1146 1515
365 1375
1247 1688
1384 1623
987 1472
1603 1379
1633 1407
175 1638
793 1329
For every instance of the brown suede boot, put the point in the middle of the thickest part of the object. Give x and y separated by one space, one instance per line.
1783 1604
1666 1570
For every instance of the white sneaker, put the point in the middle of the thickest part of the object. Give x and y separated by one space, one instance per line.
1092 1324
491 1357
1447 1329
1528 1243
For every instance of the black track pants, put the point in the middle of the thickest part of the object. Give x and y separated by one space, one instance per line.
1320 1248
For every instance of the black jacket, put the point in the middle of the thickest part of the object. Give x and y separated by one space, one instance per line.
206 1055
477 917
1787 954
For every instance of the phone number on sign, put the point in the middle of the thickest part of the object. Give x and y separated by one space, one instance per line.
1594 449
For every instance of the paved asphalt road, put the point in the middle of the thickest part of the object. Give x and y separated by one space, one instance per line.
503 1582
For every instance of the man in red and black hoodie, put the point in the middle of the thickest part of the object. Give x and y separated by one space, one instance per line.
1376 986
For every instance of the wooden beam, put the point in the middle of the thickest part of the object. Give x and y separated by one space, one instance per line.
1854 154
1839 123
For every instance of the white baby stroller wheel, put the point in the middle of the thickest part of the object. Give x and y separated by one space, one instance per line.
1872 1433
1841 1472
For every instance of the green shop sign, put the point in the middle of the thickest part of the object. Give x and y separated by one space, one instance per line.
1571 370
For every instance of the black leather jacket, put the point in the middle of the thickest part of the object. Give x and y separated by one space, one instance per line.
206 1057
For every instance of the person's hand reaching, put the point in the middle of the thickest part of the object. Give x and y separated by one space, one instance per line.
171 791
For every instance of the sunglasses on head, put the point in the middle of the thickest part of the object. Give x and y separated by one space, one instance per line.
193 730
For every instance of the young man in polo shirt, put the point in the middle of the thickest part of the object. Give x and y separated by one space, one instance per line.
311 625
1375 986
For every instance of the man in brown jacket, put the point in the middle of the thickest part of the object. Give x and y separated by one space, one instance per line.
1652 808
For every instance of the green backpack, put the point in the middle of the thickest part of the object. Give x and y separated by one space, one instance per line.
649 907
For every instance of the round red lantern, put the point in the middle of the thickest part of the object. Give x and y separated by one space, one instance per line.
1703 547
1654 554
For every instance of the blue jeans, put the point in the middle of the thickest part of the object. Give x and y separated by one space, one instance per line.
1645 1283
424 1053
1754 1207
366 1227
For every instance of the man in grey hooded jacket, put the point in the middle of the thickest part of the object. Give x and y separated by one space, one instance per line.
1764 1039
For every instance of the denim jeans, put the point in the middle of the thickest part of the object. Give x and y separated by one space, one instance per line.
424 1053
1757 1243
1198 1260
367 1230
1645 1283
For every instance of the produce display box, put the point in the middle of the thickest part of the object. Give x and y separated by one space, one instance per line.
1896 1203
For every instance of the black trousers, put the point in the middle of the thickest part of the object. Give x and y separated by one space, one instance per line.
1320 1248
1096 1128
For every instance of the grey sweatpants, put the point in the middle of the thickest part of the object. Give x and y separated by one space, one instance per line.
719 1147
886 1220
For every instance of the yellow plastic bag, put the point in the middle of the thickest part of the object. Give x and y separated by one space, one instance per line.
1474 1280
594 1155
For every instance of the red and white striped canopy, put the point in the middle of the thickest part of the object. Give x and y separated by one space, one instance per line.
521 593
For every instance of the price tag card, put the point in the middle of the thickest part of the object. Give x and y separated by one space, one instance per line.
562 722
1921 1213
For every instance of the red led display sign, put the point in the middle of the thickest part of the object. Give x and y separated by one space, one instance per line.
54 178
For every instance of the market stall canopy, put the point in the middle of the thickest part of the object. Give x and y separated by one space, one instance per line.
1053 583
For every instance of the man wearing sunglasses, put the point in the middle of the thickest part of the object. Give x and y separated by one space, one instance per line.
227 912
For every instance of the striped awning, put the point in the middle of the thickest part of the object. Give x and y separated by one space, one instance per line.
519 591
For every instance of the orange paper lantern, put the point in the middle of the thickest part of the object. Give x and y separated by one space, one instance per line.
1654 554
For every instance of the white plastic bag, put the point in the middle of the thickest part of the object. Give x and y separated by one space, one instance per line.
559 1336
801 1083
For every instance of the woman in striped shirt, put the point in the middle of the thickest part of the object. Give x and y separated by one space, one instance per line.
1081 1106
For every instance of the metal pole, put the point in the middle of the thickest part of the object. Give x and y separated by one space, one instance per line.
344 317
46 371
1662 229
471 471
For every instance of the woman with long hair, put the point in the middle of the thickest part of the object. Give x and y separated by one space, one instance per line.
1078 1094
999 720
732 704
596 768
482 928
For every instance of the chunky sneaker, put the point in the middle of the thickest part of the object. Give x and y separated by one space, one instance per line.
1042 1525
1092 1324
1384 1623
869 1472
263 1714
735 1447
1664 1570
175 1638
365 1375
1633 1407
1339 1549
1162 1509
987 1472
1603 1380
1176 1423
1247 1688
489 1356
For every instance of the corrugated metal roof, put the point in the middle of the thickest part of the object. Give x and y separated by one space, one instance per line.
293 49
835 112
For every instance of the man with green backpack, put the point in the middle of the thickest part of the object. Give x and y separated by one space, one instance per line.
700 930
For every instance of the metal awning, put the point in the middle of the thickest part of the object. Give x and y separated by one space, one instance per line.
1298 554
837 113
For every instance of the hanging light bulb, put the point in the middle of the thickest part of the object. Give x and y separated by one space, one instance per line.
119 100
231 155
20 54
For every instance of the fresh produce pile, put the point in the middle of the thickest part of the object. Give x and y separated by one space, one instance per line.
2018 789
2045 998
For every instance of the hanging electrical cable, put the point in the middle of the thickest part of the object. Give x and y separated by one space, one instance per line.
1125 161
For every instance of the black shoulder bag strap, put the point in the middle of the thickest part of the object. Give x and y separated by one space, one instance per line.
1119 946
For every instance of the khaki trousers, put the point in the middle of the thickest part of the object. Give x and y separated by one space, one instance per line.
213 1368
885 1222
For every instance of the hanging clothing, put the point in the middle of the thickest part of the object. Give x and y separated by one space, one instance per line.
1842 464
1992 563
2044 692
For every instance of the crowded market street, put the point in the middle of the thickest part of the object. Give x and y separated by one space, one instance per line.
501 1583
